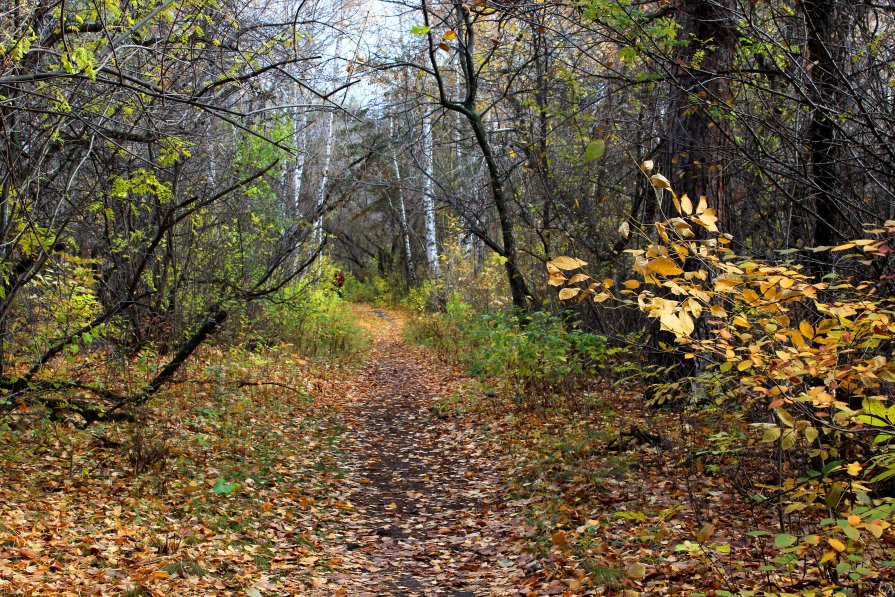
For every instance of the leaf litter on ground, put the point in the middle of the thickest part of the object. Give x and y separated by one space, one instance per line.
262 474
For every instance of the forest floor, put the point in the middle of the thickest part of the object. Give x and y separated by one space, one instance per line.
426 514
263 475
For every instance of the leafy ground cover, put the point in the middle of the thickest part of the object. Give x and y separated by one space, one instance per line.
625 497
264 474
656 502
218 487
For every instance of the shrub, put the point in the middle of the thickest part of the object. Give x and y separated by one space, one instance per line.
816 354
321 326
531 361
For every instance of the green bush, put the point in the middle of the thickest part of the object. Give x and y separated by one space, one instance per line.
322 326
422 298
437 331
314 319
378 290
531 362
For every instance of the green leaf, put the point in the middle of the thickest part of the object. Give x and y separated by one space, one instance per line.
420 30
785 540
595 150
850 531
875 413
222 487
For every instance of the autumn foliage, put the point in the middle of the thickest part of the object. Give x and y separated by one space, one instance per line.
805 361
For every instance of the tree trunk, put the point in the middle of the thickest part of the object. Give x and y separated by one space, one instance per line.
693 143
428 197
825 23
466 32
402 214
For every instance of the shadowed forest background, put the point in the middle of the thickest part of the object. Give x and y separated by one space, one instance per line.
634 257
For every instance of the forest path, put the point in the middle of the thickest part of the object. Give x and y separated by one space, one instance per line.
423 513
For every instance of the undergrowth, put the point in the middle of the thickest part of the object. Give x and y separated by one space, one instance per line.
214 482
532 362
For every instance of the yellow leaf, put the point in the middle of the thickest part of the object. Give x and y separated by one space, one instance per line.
568 293
877 527
836 544
771 434
702 206
806 329
660 182
664 266
786 418
750 296
636 571
788 440
686 205
578 278
811 434
681 323
707 221
599 298
723 284
647 167
632 284
624 230
854 469
567 263
450 35
557 279
682 227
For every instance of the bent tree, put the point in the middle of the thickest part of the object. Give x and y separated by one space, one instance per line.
452 25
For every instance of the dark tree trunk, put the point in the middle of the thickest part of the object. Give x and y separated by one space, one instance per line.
694 140
826 24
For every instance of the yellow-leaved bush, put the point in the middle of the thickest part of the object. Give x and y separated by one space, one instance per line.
815 354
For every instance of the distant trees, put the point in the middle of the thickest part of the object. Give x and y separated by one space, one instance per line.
778 112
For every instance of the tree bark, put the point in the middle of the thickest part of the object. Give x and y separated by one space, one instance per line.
826 24
428 197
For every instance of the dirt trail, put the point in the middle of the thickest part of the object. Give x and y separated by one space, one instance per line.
424 516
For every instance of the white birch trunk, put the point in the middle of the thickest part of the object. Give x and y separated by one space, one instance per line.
212 166
327 152
466 239
428 197
402 212
324 176
300 140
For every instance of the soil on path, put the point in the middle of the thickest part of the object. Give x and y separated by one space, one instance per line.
423 514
